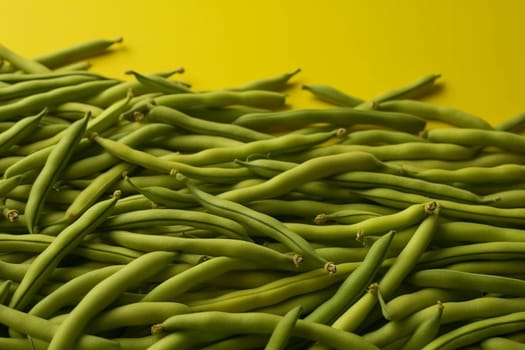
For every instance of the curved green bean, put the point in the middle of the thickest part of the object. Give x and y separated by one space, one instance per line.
282 331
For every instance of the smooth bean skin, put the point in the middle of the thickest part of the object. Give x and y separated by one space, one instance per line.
42 329
46 262
205 246
425 332
478 330
252 98
104 293
275 83
332 95
159 84
21 62
432 112
261 223
354 284
476 137
264 323
282 331
496 343
445 278
55 163
337 116
163 114
310 170
37 102
380 137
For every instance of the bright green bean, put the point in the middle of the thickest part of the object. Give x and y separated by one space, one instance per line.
496 343
159 84
20 131
282 331
20 62
104 293
251 98
206 246
37 102
446 278
425 332
477 137
45 262
261 223
163 114
332 95
337 116
275 83
428 111
380 137
55 163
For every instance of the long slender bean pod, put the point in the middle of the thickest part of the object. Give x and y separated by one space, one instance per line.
332 95
218 98
68 239
55 163
275 83
282 331
18 61
426 331
104 293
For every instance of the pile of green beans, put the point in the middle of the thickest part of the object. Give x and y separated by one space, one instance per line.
148 214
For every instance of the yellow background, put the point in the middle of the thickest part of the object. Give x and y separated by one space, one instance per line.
361 47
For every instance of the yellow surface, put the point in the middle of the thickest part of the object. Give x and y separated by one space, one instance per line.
361 47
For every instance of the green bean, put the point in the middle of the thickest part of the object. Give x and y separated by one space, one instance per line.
75 66
380 137
27 88
425 332
7 185
221 114
104 293
354 285
95 190
205 246
495 343
235 323
55 163
476 137
282 331
407 304
488 159
403 151
20 131
477 251
445 278
148 161
240 342
348 216
453 312
43 329
167 182
75 110
196 142
136 314
71 292
501 268
14 78
22 63
251 98
76 52
275 292
478 330
276 83
514 124
505 173
159 84
37 102
462 211
45 262
428 111
261 223
92 165
165 197
509 198
163 114
337 116
369 179
114 93
391 280
44 131
332 95
5 291
184 340
280 144
310 170
162 217
380 225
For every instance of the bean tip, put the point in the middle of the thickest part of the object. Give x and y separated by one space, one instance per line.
157 329
320 219
330 267
117 194
297 260
431 207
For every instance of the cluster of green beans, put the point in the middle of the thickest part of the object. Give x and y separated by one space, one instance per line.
146 214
